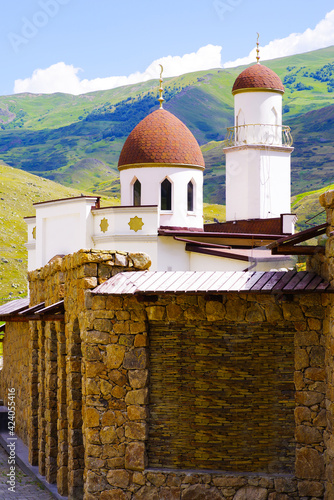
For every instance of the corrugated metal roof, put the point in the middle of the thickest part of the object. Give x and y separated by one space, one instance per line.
13 307
148 282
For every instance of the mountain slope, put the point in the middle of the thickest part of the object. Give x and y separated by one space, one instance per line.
76 140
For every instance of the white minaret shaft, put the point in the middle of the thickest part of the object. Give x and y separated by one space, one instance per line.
258 148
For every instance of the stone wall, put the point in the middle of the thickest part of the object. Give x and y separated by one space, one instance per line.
91 388
15 373
117 398
324 265
57 370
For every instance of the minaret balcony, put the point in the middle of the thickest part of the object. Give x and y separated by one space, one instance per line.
258 134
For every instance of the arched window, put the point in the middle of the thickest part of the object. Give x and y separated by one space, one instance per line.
137 193
190 197
166 195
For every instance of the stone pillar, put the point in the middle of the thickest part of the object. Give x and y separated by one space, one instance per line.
62 424
74 411
326 268
116 396
41 397
51 438
33 394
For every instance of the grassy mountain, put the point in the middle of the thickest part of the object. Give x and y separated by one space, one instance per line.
76 140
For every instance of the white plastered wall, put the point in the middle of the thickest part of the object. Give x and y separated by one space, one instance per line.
62 227
151 178
257 182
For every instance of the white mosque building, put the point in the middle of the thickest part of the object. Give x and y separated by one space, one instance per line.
161 174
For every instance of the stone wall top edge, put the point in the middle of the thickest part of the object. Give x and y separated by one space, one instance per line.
61 263
327 199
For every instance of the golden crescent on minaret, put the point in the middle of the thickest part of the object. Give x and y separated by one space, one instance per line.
257 49
161 99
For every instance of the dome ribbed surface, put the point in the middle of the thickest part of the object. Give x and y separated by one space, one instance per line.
161 138
258 76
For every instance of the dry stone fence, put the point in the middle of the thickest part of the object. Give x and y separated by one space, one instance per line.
174 395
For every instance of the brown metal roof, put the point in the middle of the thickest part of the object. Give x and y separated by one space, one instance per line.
271 226
19 310
148 282
13 307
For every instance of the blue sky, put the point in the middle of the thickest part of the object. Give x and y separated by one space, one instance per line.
81 45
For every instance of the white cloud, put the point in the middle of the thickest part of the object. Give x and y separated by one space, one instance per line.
296 43
62 77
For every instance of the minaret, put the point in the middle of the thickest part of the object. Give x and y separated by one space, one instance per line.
258 152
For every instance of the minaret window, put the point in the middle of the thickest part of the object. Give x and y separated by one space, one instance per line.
190 197
137 193
166 195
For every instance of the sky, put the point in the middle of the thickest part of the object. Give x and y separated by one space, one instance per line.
79 46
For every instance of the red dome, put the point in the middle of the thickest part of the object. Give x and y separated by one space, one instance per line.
161 138
258 77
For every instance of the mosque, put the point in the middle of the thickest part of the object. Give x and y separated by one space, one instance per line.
161 175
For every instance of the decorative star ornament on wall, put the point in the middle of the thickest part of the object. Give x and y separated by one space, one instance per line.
104 224
136 223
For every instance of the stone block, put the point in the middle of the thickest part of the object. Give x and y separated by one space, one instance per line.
156 478
204 492
215 311
140 260
115 356
108 435
169 493
316 374
174 312
251 493
308 398
136 359
136 431
309 464
317 356
301 359
117 377
255 313
137 397
302 414
118 477
310 489
147 493
138 378
141 341
97 337
155 313
92 417
114 494
308 435
136 412
135 457
307 338
137 327
121 328
103 325
138 478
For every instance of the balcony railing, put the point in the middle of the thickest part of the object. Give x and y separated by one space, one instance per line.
267 135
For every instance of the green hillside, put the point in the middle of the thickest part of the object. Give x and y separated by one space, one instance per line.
76 140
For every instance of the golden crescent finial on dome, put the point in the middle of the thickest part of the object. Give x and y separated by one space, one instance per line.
161 99
257 49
